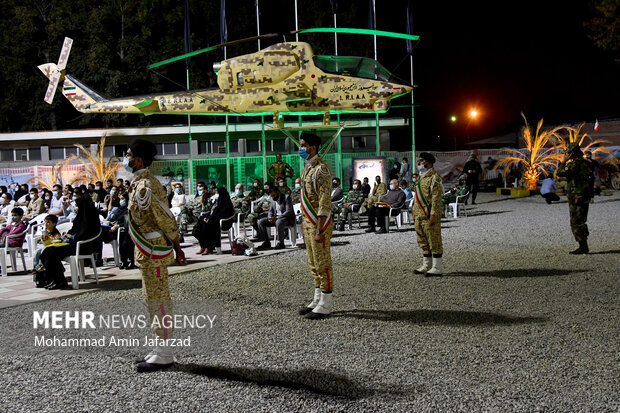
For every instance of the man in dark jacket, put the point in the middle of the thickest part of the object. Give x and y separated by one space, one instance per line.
281 215
473 169
577 171
395 198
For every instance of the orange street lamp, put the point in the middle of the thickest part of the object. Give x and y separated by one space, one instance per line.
473 113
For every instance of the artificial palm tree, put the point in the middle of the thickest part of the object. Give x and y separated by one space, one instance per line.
96 168
51 178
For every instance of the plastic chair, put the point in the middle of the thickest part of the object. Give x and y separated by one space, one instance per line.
457 207
396 217
298 218
76 263
36 226
230 231
292 235
406 214
12 252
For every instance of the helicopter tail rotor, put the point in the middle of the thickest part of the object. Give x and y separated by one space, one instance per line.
56 71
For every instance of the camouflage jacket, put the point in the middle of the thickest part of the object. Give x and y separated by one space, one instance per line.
429 189
262 203
355 196
150 215
284 190
296 196
577 174
317 184
380 189
255 193
240 203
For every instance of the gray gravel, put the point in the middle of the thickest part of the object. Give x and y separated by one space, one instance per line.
516 324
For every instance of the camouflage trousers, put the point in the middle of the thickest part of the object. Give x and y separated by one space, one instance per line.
578 218
156 295
319 256
429 236
254 217
368 203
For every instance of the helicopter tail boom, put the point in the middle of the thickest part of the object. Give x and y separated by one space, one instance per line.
80 95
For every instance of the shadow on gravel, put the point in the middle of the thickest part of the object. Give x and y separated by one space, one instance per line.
339 243
606 252
516 273
112 285
481 213
596 201
316 381
443 317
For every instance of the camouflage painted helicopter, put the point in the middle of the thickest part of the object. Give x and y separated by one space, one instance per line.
285 78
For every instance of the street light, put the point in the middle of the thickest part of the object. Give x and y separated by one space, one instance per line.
473 113
453 119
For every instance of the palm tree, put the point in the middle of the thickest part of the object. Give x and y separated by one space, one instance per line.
95 167
536 158
575 135
54 176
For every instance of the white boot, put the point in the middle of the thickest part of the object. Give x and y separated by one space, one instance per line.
426 265
324 308
313 304
436 270
159 358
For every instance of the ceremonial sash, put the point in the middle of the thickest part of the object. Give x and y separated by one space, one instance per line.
156 252
421 200
309 211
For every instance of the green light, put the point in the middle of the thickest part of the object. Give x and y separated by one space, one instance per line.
174 59
361 31
453 118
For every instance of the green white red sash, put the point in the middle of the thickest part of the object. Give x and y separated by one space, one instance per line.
156 252
421 200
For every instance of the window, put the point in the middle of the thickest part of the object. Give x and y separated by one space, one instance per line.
170 149
183 148
278 145
359 142
108 151
355 67
119 150
6 155
240 78
203 147
72 150
57 153
35 154
21 154
253 145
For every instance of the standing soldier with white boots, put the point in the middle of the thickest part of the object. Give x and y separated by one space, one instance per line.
317 225
427 213
153 229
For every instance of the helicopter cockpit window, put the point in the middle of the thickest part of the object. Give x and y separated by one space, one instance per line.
240 78
353 66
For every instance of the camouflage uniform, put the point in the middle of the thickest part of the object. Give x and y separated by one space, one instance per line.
192 210
377 191
577 173
284 189
260 204
240 203
430 188
255 193
450 197
296 196
149 217
356 196
316 184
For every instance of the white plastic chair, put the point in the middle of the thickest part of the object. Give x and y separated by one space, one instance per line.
230 231
76 263
292 235
298 219
34 231
457 207
396 218
11 252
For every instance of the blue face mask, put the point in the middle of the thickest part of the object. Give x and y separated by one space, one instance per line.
303 153
238 192
123 202
126 165
391 187
200 192
177 190
55 193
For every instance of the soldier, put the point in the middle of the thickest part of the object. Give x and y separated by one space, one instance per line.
456 190
577 170
282 187
317 225
240 202
280 169
155 233
256 192
377 190
355 197
296 192
261 206
427 213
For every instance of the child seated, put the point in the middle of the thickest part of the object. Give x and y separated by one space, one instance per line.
49 237
15 226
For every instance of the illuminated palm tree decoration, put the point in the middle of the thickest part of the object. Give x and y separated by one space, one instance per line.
575 135
536 158
95 167
53 177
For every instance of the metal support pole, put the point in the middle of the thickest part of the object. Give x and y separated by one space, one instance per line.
413 161
264 147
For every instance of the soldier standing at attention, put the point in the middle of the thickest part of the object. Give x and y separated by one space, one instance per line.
154 231
577 171
317 225
427 213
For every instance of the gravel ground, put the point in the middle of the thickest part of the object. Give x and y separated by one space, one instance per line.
516 324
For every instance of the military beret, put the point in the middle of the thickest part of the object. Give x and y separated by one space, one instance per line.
144 149
428 157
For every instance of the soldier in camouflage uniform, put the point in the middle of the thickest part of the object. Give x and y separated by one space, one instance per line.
240 202
577 170
155 233
282 187
427 214
380 188
317 225
458 190
256 192
355 196
192 210
296 192
261 206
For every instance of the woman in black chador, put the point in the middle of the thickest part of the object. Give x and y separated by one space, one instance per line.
207 230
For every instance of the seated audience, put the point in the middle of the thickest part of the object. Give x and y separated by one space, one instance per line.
281 215
455 190
282 187
355 197
50 236
207 230
15 226
6 206
395 198
36 206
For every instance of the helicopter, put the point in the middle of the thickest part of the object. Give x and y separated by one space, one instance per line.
285 78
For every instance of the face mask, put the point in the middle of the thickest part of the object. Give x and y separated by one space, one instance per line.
200 192
126 165
297 186
423 169
123 202
55 193
255 185
97 188
48 197
414 180
354 186
303 153
334 184
112 191
378 181
216 196
391 187
280 183
238 192
15 219
177 190
74 199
